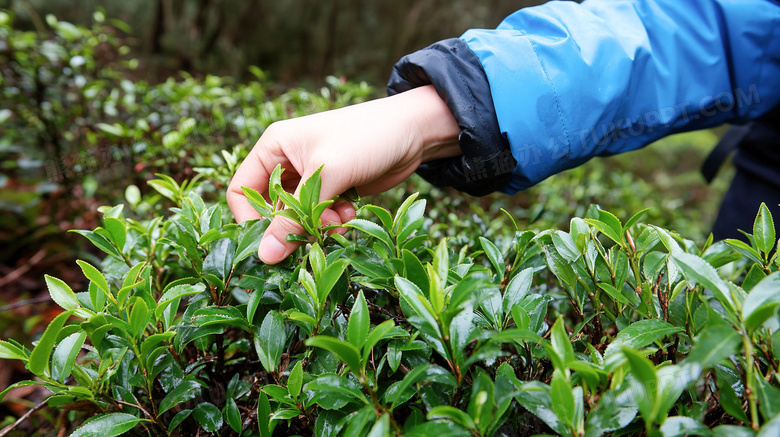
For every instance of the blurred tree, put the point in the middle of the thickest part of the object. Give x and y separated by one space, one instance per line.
294 39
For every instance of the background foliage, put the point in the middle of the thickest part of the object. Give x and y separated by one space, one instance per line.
80 130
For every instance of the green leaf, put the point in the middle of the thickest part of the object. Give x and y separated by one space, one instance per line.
614 233
565 246
415 272
139 318
208 416
441 262
107 425
285 414
733 431
39 358
694 267
413 296
382 427
100 242
453 414
764 230
613 293
11 351
358 322
65 355
495 256
517 289
562 397
295 381
614 411
337 384
61 293
381 331
680 426
152 341
264 415
346 352
258 202
381 213
330 276
116 229
729 400
174 295
762 302
647 380
112 129
768 398
401 213
561 344
640 334
535 397
715 344
672 381
269 340
743 248
635 218
178 419
250 240
310 191
95 276
411 221
373 230
771 428
182 392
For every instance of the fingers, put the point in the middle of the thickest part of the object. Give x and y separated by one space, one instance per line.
251 173
274 246
346 212
255 171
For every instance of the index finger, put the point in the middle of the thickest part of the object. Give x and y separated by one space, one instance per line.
252 174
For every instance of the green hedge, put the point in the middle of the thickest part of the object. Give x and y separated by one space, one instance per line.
613 326
421 320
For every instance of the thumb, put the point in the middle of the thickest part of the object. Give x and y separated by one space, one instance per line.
274 246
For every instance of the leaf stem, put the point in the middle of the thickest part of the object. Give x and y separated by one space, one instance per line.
749 386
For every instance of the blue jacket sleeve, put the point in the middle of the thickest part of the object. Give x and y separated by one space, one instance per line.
571 81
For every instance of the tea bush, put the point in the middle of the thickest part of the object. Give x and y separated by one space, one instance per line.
613 327
423 321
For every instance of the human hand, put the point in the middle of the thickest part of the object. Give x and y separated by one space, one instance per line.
371 146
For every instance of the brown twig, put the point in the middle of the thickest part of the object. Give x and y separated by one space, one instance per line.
26 416
24 268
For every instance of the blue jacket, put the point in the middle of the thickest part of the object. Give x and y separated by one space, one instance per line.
560 83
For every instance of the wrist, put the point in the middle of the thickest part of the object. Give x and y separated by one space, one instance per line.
433 128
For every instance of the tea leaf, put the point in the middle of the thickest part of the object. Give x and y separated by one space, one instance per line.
762 302
640 334
107 425
764 230
61 293
269 340
295 381
65 355
39 357
209 416
562 397
346 352
358 322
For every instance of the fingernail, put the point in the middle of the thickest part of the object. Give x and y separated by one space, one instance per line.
271 250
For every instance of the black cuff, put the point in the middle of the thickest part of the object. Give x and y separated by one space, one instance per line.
455 71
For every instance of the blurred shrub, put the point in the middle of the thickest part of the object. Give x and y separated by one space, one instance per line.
77 128
296 39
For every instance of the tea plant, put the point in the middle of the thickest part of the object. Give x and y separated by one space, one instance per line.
613 327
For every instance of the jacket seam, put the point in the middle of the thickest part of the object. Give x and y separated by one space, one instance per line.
557 100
